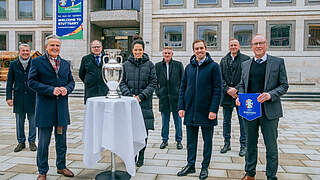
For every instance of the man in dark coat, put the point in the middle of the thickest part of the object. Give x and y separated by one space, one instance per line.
50 76
199 99
169 75
90 72
231 74
264 74
23 100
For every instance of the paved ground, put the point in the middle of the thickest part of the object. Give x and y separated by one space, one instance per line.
299 149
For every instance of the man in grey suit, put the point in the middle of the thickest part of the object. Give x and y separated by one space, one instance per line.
264 74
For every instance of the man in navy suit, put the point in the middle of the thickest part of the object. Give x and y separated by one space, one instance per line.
50 76
264 74
23 100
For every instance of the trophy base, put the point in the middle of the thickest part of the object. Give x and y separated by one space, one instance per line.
109 175
113 95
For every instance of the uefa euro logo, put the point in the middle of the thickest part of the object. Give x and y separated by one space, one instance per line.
63 2
249 104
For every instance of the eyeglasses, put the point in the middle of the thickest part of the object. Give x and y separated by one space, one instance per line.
259 43
96 47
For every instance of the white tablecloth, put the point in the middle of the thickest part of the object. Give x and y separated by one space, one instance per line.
116 125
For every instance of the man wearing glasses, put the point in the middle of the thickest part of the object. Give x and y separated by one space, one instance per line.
90 72
264 74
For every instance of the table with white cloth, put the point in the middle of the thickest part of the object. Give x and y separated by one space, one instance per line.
116 125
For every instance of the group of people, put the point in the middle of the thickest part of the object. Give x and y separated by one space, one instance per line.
193 93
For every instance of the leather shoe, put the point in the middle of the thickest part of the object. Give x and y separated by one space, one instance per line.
246 177
179 145
225 148
242 151
203 173
163 145
66 172
42 177
186 170
19 147
32 146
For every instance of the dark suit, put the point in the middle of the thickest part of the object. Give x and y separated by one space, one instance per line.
91 75
276 84
50 110
23 99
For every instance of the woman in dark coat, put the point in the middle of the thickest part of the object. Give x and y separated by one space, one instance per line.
139 80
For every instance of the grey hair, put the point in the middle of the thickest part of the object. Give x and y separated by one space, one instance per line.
53 36
23 45
95 41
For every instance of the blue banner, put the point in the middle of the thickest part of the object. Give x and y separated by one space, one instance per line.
249 107
69 21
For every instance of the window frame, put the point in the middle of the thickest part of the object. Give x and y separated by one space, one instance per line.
292 3
311 2
43 39
243 4
6 18
18 18
291 38
25 33
306 47
210 23
44 17
255 30
7 39
168 6
183 24
216 5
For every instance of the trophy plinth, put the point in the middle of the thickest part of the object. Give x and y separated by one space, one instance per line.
112 71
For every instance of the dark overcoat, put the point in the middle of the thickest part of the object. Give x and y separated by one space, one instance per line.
91 75
139 78
200 92
231 76
168 90
23 97
50 110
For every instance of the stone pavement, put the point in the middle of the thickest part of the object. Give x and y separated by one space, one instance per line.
299 149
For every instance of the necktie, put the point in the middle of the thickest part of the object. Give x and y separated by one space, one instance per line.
259 61
97 59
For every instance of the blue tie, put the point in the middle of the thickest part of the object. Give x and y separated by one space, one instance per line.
259 61
97 59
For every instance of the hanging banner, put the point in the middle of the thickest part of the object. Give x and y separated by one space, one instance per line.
69 21
249 107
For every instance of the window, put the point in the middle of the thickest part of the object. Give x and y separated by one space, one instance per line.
243 32
207 3
173 34
3 9
44 35
25 37
48 9
25 9
312 2
312 35
210 33
243 3
172 3
280 35
3 41
123 4
281 2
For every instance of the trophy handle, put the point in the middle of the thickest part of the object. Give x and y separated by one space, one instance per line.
121 58
103 63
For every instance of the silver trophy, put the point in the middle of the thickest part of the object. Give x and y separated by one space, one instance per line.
112 71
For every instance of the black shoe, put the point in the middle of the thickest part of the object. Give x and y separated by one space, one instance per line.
179 145
139 163
32 146
203 173
163 145
19 147
186 170
242 151
225 148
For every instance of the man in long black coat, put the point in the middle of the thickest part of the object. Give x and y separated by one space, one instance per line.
199 99
231 74
169 74
90 72
23 100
